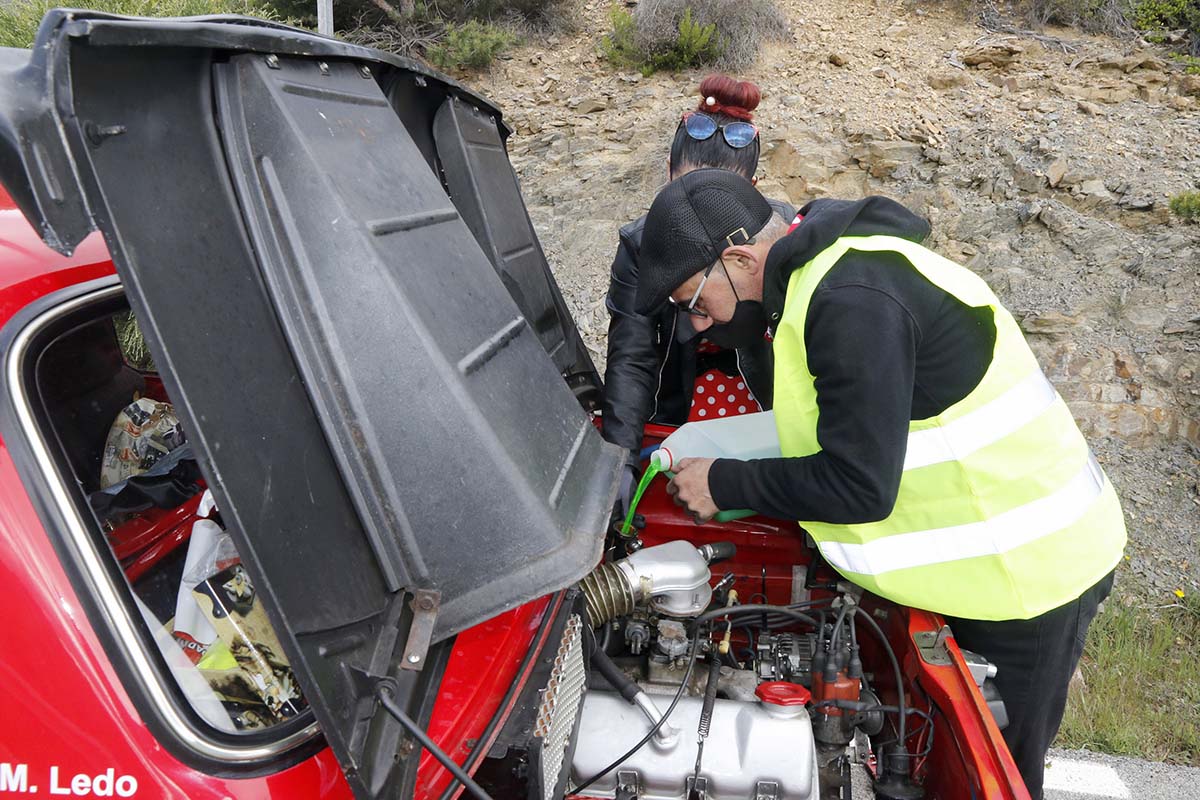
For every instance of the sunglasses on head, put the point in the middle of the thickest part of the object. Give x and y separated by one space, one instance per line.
701 126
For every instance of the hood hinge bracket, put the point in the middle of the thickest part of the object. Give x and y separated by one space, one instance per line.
932 646
424 604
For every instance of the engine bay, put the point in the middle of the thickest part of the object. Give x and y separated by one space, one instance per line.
728 661
767 700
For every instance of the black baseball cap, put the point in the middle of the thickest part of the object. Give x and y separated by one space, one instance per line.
691 222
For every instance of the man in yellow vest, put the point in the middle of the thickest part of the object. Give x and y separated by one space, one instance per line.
924 450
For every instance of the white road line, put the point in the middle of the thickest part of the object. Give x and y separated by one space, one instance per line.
1081 777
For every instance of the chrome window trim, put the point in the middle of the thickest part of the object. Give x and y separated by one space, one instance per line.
92 560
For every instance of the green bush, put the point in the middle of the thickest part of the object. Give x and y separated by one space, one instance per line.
620 45
697 45
681 34
1155 17
470 45
693 45
19 19
1186 206
1151 15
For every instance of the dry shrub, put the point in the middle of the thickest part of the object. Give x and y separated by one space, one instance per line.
1152 19
741 26
411 38
1094 16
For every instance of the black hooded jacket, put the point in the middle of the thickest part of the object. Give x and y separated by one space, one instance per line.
886 347
652 364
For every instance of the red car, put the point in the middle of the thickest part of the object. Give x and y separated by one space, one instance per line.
349 520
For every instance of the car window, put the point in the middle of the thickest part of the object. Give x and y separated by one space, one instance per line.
129 454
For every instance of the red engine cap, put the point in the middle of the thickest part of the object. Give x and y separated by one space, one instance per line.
782 693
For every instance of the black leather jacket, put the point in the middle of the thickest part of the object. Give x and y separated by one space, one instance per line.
650 372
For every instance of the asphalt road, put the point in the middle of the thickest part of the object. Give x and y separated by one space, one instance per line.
1081 775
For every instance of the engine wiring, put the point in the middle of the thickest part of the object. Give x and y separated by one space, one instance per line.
781 615
901 722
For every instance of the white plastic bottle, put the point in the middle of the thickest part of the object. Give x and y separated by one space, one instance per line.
743 437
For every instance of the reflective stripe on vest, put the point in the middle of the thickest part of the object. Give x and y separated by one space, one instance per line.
999 534
1007 414
1001 513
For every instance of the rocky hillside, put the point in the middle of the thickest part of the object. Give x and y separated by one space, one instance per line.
1045 164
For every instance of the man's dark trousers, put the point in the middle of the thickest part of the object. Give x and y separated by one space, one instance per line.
1035 659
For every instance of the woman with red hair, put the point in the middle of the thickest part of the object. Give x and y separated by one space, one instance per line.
659 369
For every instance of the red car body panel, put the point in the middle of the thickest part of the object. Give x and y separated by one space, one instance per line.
65 706
483 665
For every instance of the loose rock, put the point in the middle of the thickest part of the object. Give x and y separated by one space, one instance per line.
998 55
1056 172
591 105
1188 85
946 79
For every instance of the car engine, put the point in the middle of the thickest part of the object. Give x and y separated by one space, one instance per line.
694 695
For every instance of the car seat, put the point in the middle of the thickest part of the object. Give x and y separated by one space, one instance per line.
84 382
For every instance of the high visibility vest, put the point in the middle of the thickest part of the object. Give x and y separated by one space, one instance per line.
1003 512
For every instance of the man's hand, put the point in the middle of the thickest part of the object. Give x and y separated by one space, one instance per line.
689 488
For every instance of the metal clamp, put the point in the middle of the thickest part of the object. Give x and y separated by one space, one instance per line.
766 790
629 784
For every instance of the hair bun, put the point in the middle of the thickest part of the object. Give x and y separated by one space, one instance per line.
725 95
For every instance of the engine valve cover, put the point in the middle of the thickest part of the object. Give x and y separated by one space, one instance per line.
747 748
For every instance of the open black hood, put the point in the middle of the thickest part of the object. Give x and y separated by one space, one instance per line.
336 274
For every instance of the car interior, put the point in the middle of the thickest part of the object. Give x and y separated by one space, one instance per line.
122 447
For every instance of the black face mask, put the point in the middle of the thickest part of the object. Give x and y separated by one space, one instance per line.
744 329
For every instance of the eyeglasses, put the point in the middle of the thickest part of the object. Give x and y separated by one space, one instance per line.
690 308
701 126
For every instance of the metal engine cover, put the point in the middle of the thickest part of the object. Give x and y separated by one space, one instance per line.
749 752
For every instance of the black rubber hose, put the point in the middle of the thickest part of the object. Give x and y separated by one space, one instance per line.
714 552
615 676
384 694
755 608
835 638
820 655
